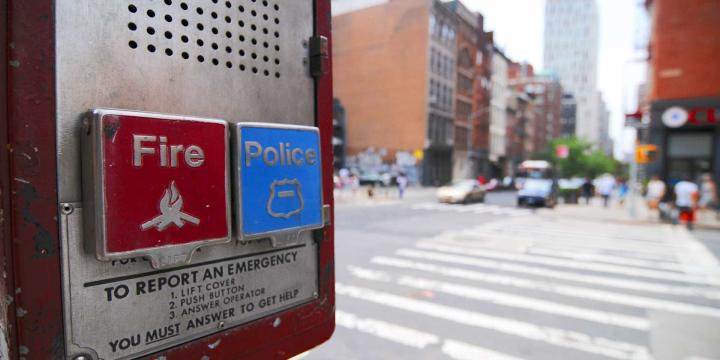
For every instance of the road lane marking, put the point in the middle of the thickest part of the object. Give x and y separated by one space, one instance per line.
555 288
474 208
535 237
415 338
606 268
618 260
463 351
395 333
506 299
553 336
709 293
668 258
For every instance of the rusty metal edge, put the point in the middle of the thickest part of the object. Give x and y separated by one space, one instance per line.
31 132
306 326
7 317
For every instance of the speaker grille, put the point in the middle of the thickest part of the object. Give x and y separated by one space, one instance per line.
240 35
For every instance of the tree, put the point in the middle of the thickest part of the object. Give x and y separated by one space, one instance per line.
581 161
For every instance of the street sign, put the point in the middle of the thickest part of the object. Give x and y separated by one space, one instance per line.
278 184
645 153
562 151
674 117
158 183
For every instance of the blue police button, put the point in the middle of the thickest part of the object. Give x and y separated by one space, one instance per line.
278 179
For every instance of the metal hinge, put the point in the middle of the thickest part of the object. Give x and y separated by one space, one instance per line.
319 234
319 56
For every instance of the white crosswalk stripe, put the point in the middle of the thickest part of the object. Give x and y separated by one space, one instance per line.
506 299
578 265
618 260
544 286
557 337
630 284
595 286
473 208
417 339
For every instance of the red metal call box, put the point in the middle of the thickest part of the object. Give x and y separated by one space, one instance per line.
158 184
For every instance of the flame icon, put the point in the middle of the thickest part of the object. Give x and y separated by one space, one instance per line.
170 211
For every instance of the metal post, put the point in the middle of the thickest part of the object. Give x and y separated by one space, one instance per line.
633 179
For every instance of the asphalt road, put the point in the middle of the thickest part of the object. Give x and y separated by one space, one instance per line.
421 280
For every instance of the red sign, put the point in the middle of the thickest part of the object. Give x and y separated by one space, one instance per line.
164 182
562 151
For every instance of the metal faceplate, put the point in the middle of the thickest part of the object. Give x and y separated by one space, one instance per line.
239 60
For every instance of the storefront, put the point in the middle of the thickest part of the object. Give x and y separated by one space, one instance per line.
687 133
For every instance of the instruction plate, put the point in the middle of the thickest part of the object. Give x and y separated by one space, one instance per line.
125 308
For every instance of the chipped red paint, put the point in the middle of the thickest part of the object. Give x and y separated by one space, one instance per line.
32 173
7 308
305 326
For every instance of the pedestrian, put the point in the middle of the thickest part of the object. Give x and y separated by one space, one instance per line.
605 188
655 193
507 182
586 190
622 190
354 184
402 184
708 195
686 196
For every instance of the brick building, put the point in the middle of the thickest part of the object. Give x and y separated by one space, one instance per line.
520 114
481 100
394 71
547 96
499 91
684 88
469 74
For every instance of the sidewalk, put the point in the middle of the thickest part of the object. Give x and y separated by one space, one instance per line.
381 195
619 213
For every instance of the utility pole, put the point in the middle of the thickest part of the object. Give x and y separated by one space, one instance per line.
633 178
636 121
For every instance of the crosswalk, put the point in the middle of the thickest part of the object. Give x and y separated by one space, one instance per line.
479 208
529 288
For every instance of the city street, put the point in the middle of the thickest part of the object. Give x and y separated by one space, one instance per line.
422 280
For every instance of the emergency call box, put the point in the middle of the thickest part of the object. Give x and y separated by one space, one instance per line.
193 158
156 185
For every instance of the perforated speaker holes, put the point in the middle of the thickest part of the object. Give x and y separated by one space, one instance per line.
179 29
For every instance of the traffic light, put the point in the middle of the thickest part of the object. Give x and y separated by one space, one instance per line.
645 153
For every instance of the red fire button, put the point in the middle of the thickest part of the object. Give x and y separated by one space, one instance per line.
155 185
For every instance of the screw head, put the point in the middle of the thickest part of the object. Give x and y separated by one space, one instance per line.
67 209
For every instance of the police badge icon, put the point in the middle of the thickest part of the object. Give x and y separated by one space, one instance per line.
285 198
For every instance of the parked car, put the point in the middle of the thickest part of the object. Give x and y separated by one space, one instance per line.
370 178
462 191
538 193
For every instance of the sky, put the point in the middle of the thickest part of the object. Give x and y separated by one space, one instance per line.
518 30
